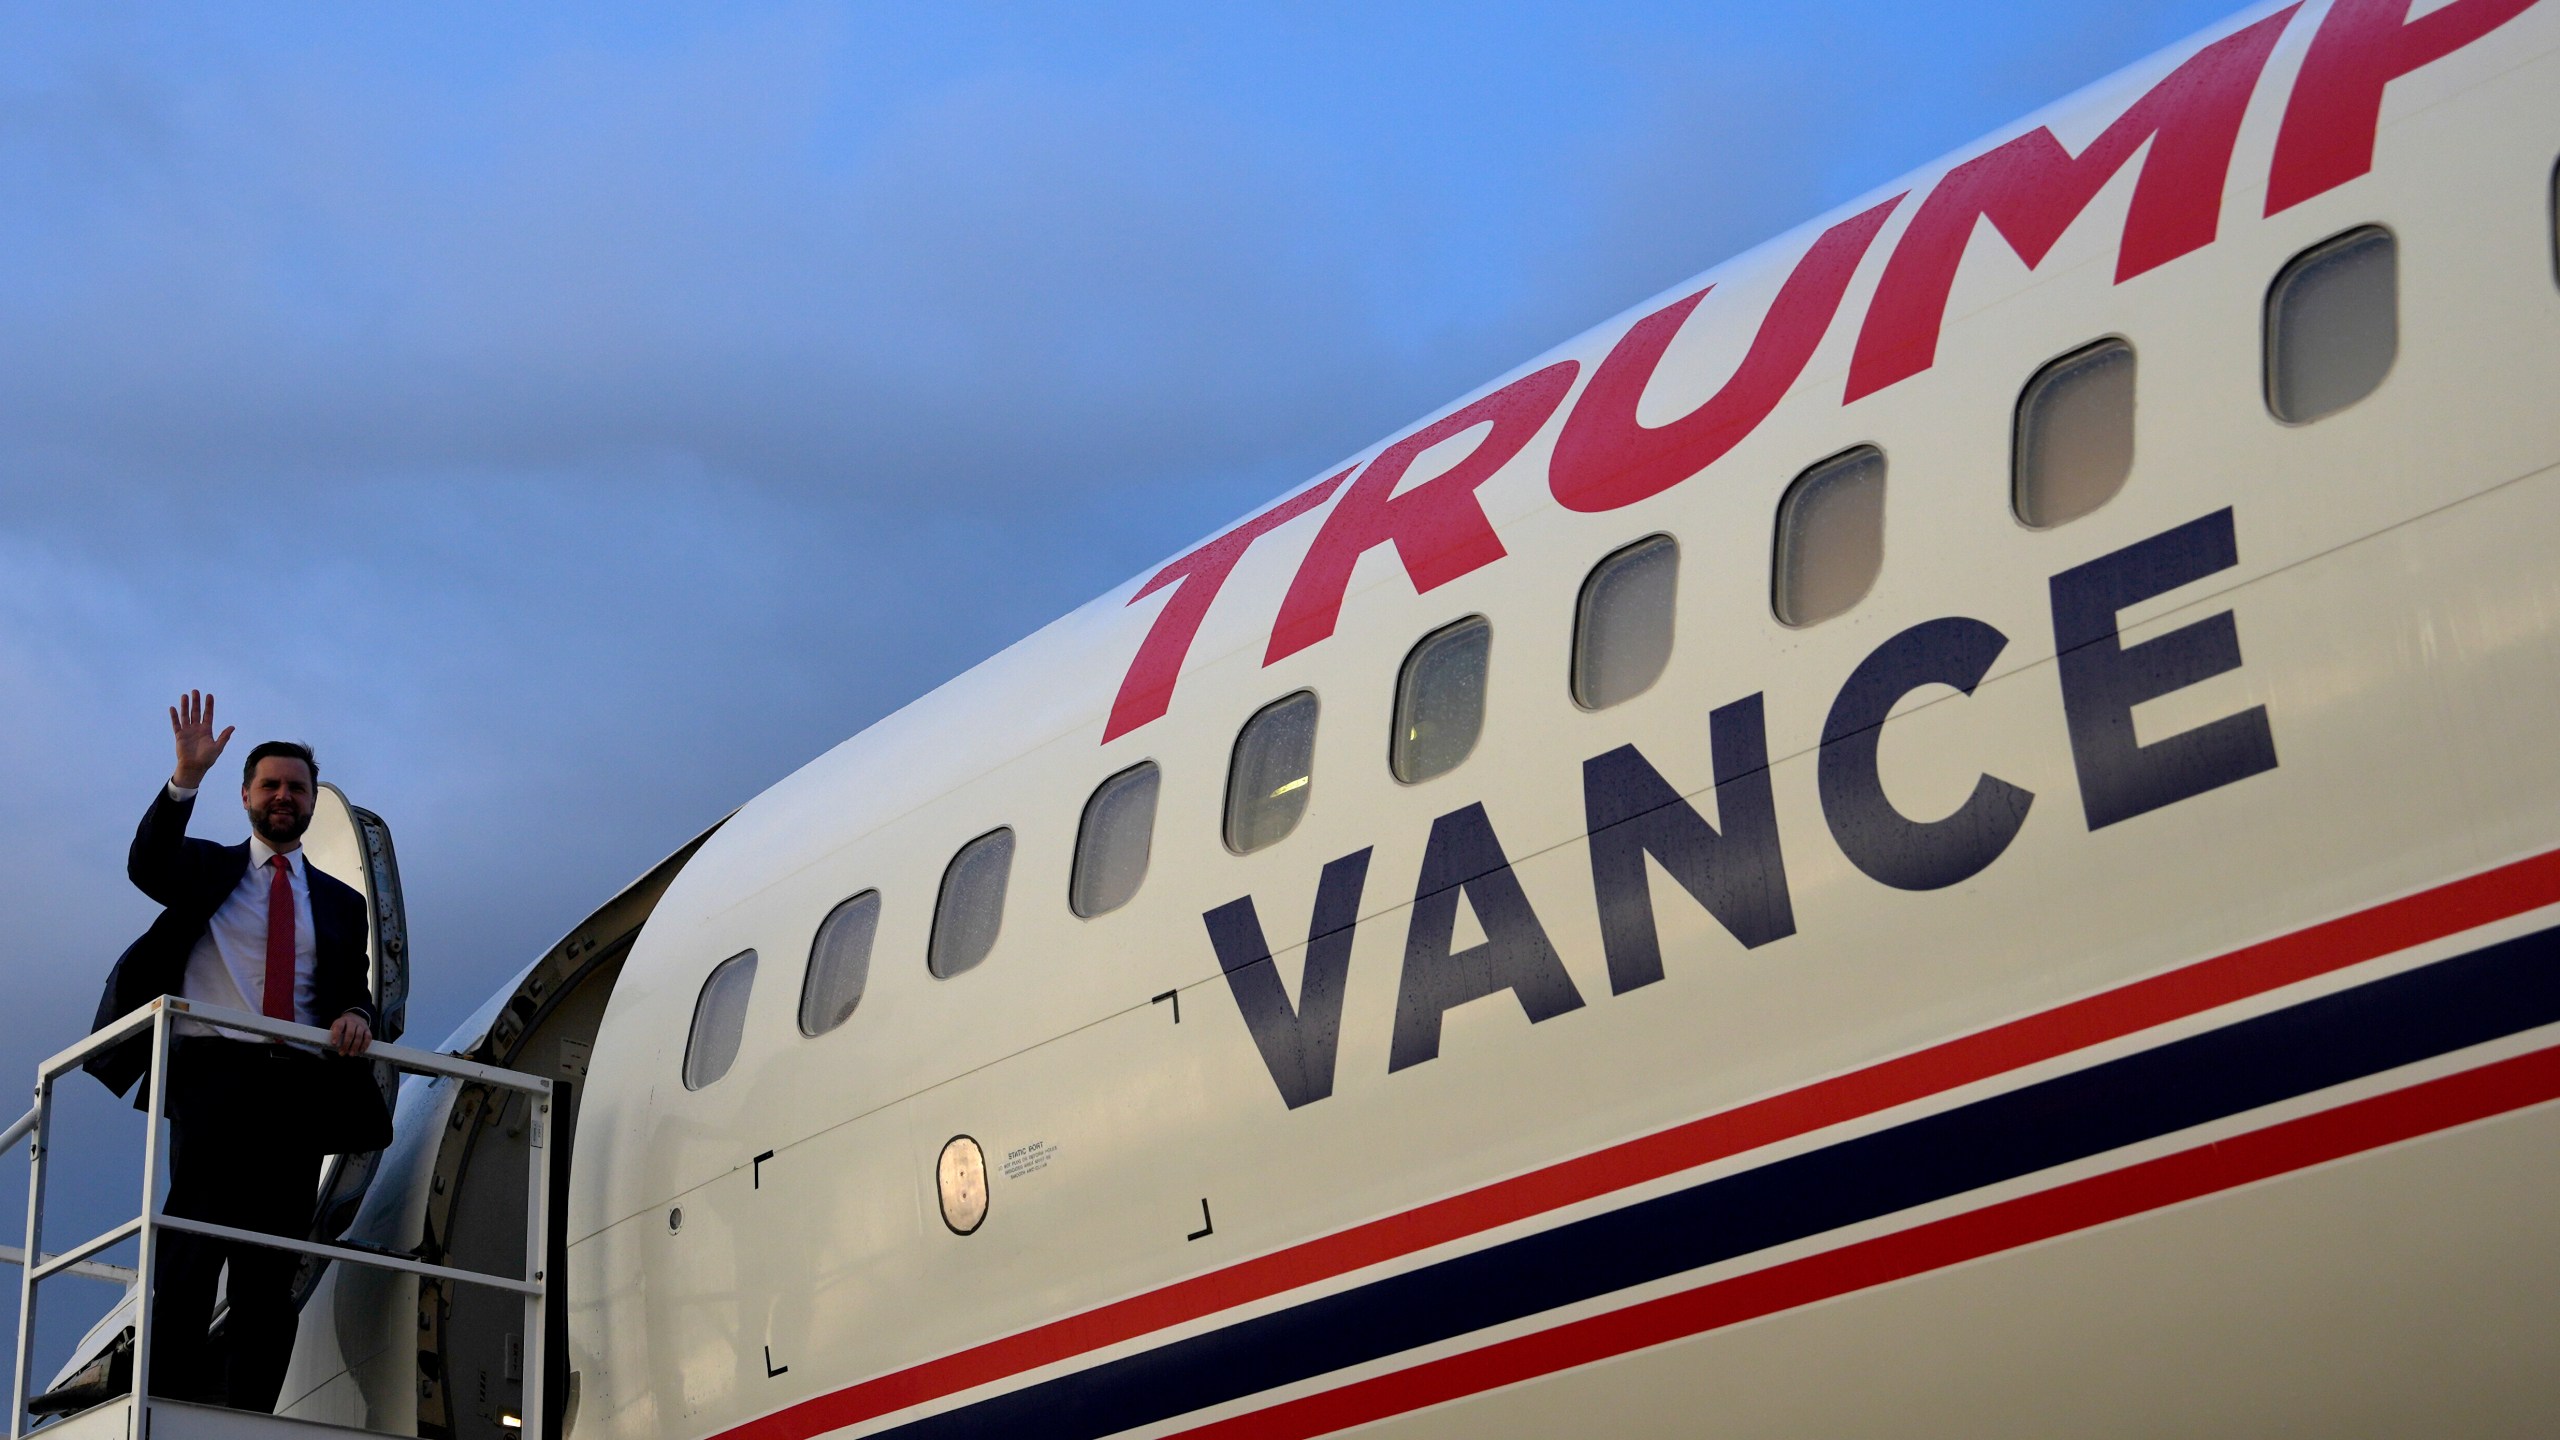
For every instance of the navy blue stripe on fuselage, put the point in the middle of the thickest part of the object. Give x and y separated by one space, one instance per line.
2434 1010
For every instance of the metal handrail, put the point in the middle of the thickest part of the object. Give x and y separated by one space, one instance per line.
51 1264
309 1037
93 1269
158 1018
347 1252
86 1248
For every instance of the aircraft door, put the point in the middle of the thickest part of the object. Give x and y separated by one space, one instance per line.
352 844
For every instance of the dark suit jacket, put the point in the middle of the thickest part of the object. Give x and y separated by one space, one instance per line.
192 878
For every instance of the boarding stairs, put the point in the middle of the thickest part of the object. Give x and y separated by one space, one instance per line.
130 1411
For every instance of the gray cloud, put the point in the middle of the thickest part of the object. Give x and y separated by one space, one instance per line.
1013 285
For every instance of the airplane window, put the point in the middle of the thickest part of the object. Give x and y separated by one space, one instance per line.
1273 769
1440 700
2333 325
1622 627
971 910
839 961
2072 445
719 1020
1113 842
1830 537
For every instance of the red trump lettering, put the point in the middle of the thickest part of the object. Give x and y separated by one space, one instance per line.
1438 528
2031 189
1606 458
2363 45
1146 692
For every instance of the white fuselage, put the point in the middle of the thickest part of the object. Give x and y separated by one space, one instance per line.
2118 1040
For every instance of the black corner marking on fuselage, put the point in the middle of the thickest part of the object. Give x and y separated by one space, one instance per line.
1176 997
1298 1042
1208 1227
758 1169
771 1369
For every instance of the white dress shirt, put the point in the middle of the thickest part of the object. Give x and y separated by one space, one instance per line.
229 964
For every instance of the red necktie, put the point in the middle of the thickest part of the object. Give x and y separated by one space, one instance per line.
278 1003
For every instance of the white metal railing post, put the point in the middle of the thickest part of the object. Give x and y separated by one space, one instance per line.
152 1226
153 1113
537 1264
22 1371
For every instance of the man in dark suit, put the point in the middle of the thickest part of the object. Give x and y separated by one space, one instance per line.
249 927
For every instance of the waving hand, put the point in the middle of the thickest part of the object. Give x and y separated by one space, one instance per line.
191 721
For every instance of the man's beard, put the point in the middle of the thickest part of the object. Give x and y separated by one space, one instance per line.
264 822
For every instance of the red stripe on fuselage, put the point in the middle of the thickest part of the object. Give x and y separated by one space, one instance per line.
2423 1109
2108 1015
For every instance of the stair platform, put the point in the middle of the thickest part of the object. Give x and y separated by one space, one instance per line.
183 1420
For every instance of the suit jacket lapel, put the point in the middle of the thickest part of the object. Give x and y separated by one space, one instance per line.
222 879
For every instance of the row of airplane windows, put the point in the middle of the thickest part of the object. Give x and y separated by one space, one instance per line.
2330 334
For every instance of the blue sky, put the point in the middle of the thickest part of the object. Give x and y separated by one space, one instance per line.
571 421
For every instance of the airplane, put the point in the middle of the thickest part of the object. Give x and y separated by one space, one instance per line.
1951 828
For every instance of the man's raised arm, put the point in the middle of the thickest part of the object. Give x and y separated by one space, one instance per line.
152 863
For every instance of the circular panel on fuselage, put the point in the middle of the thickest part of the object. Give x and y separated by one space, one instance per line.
961 1176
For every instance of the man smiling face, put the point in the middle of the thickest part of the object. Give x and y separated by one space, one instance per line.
277 796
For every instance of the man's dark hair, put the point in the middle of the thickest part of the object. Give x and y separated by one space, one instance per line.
291 750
